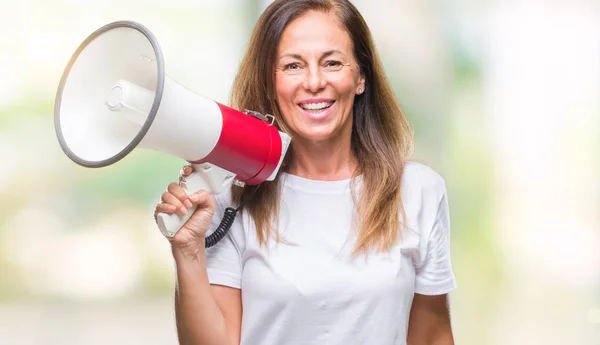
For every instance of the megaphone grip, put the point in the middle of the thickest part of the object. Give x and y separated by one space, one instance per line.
169 224
166 222
206 176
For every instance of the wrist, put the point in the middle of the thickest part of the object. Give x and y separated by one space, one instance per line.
188 251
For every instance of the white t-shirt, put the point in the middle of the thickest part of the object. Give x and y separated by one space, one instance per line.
314 291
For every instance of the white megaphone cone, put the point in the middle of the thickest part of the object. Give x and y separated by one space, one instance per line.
114 96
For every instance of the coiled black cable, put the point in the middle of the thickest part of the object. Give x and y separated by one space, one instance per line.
222 229
225 224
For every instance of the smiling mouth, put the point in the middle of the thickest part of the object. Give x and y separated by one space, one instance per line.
316 107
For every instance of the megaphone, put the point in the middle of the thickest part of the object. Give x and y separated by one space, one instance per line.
114 96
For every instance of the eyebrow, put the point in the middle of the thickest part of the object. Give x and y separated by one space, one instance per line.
324 55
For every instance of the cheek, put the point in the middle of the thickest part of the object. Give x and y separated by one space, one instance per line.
285 91
344 83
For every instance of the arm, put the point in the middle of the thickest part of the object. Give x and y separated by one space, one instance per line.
430 321
205 314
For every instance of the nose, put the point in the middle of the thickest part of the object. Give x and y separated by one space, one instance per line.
314 80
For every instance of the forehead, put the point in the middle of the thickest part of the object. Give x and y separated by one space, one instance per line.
315 32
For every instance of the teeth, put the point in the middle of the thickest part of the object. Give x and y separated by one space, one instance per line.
316 106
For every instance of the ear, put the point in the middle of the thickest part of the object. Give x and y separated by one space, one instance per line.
360 86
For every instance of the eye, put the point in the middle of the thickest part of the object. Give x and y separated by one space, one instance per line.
333 64
294 66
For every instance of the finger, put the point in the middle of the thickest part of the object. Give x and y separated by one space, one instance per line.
165 208
184 172
169 198
202 198
180 194
187 170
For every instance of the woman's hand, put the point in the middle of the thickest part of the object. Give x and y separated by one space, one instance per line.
176 200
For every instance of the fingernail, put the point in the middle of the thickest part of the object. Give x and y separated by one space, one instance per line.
183 210
187 203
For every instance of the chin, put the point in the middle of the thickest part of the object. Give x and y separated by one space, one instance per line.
316 136
314 132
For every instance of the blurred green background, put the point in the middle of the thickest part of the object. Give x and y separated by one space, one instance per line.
504 98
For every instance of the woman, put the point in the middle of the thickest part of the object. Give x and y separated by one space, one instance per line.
321 255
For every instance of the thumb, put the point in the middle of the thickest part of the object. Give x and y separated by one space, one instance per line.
203 199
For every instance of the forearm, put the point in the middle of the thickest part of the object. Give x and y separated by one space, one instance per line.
199 319
429 322
440 336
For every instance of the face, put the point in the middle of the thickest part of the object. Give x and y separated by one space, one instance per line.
317 78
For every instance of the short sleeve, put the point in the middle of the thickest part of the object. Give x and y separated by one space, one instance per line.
435 276
224 259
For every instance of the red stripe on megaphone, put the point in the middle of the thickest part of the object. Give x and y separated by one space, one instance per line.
248 147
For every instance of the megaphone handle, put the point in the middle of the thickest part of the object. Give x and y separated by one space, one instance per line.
207 177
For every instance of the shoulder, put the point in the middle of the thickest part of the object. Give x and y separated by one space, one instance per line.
420 179
423 196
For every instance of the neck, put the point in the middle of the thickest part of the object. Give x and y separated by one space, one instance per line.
322 160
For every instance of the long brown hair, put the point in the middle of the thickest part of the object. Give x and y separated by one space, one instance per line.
381 137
